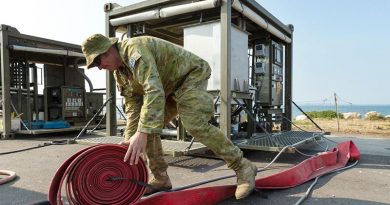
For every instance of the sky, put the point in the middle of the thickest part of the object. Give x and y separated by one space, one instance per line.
339 46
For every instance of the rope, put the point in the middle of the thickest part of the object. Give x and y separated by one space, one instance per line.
91 177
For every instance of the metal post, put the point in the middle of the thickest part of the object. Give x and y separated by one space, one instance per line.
251 126
110 88
19 65
181 132
225 120
5 84
28 93
35 84
337 112
288 83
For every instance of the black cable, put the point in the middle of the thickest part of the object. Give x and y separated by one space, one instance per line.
120 112
90 121
140 183
251 116
268 134
99 123
59 142
237 111
189 146
308 116
294 124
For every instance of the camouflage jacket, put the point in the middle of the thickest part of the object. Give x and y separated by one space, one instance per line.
154 69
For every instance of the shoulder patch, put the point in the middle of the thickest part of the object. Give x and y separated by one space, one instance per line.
133 59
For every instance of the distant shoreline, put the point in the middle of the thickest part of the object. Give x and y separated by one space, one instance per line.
362 109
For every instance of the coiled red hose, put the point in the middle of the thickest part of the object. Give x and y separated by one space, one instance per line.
87 177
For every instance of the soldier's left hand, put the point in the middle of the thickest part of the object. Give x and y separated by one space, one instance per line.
136 149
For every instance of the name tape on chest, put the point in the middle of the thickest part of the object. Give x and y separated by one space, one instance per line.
132 62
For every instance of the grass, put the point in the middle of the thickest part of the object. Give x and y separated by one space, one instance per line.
377 127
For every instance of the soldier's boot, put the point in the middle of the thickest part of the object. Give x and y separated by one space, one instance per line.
246 174
158 182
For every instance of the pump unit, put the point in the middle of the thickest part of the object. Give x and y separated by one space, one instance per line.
250 55
269 74
65 103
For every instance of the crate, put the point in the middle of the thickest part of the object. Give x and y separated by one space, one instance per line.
15 124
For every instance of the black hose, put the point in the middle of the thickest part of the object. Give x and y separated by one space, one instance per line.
99 123
252 117
90 121
59 142
307 116
120 112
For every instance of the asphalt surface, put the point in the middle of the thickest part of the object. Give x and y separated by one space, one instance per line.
366 183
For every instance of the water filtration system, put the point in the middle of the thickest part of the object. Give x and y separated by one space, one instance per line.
250 54
42 85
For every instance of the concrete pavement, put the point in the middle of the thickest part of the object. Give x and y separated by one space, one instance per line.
367 183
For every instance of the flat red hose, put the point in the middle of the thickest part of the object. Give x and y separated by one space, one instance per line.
86 177
300 173
88 183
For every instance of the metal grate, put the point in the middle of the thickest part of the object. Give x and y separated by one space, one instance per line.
264 142
100 140
276 142
170 147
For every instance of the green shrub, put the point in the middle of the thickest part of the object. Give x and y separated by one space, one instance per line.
327 114
375 117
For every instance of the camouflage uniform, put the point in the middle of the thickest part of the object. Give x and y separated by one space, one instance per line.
158 81
161 80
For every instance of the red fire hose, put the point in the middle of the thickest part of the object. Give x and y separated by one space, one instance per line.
90 184
88 176
303 172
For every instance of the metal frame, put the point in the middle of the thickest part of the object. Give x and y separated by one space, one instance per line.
225 119
12 39
171 29
110 91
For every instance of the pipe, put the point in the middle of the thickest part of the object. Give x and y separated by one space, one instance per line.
169 132
188 8
198 6
144 16
47 51
246 11
75 65
165 12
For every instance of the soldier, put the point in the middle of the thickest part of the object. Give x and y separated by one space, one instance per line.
158 81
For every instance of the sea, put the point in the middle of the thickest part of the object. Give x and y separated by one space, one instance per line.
362 109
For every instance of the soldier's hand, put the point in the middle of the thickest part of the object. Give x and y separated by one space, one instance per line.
136 149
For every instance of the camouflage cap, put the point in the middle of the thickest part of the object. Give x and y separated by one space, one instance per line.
96 45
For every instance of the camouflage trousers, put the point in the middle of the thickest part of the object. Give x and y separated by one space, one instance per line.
195 108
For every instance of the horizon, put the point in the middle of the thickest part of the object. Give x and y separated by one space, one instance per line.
314 104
